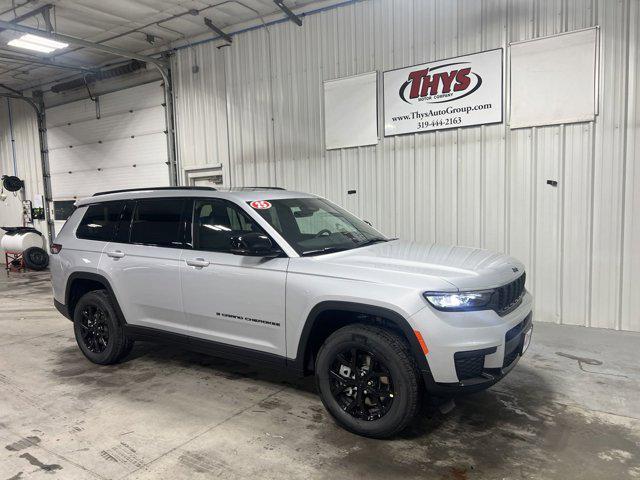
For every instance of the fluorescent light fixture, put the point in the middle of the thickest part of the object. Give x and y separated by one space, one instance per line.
36 43
46 42
18 43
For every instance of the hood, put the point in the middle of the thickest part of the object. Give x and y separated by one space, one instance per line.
430 266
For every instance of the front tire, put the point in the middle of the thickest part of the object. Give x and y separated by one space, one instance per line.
368 380
98 331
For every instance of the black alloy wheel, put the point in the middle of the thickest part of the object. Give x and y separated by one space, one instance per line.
94 328
361 384
99 328
368 380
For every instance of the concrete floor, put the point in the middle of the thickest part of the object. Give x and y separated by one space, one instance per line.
571 409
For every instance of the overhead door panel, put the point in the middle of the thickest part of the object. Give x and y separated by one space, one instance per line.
136 98
127 156
71 113
130 151
69 184
118 126
115 142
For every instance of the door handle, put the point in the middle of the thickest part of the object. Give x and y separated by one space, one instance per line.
116 254
197 262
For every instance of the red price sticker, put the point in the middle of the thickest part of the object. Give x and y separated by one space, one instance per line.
260 204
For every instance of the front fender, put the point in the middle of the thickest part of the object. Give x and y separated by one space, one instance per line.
391 315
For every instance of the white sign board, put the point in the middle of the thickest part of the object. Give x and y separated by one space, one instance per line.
554 79
452 93
351 111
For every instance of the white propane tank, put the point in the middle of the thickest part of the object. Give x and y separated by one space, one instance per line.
20 242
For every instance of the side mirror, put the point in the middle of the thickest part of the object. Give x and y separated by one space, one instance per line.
254 245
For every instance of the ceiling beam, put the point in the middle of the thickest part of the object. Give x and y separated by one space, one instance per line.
45 62
17 92
292 16
44 10
218 30
83 43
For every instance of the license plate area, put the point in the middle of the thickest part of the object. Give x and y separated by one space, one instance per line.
515 342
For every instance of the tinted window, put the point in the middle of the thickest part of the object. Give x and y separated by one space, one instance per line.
216 221
157 221
100 221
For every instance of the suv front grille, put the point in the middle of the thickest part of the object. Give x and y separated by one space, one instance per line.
509 296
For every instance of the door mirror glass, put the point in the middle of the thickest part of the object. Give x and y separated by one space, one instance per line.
253 244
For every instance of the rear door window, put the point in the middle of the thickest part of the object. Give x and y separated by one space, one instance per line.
100 221
159 222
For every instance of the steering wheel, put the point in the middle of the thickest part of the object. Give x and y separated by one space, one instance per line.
322 232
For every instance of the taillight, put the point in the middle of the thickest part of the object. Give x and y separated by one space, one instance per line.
55 248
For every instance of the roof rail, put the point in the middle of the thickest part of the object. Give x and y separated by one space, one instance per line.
142 189
257 188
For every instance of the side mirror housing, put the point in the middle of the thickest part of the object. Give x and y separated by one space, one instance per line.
254 245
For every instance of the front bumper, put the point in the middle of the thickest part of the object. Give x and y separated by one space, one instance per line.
470 351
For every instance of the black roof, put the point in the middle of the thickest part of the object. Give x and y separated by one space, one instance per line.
206 189
153 188
255 188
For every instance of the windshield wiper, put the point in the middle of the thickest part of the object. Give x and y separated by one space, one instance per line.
371 242
324 250
342 249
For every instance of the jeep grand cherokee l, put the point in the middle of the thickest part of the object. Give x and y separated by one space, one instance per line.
291 280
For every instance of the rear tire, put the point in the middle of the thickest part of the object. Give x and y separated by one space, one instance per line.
377 394
98 331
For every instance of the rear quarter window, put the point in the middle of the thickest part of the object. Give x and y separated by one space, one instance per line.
73 219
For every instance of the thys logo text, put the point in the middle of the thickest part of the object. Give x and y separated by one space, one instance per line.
439 84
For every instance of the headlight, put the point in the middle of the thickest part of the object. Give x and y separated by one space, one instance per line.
453 302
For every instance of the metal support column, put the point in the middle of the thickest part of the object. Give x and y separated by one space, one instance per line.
174 170
38 107
44 160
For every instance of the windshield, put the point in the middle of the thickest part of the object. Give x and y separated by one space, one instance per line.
314 226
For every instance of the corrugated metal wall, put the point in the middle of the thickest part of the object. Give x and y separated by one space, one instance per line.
25 131
256 107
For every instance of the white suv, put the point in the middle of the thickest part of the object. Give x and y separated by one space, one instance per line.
290 280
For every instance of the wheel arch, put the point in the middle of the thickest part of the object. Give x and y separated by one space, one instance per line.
80 283
308 342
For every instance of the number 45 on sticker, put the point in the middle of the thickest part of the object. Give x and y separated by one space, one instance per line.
260 204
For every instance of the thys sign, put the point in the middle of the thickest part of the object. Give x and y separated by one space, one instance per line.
452 93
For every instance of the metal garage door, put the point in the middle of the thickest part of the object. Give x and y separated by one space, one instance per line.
117 141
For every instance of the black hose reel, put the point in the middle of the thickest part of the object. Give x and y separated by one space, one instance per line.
11 184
